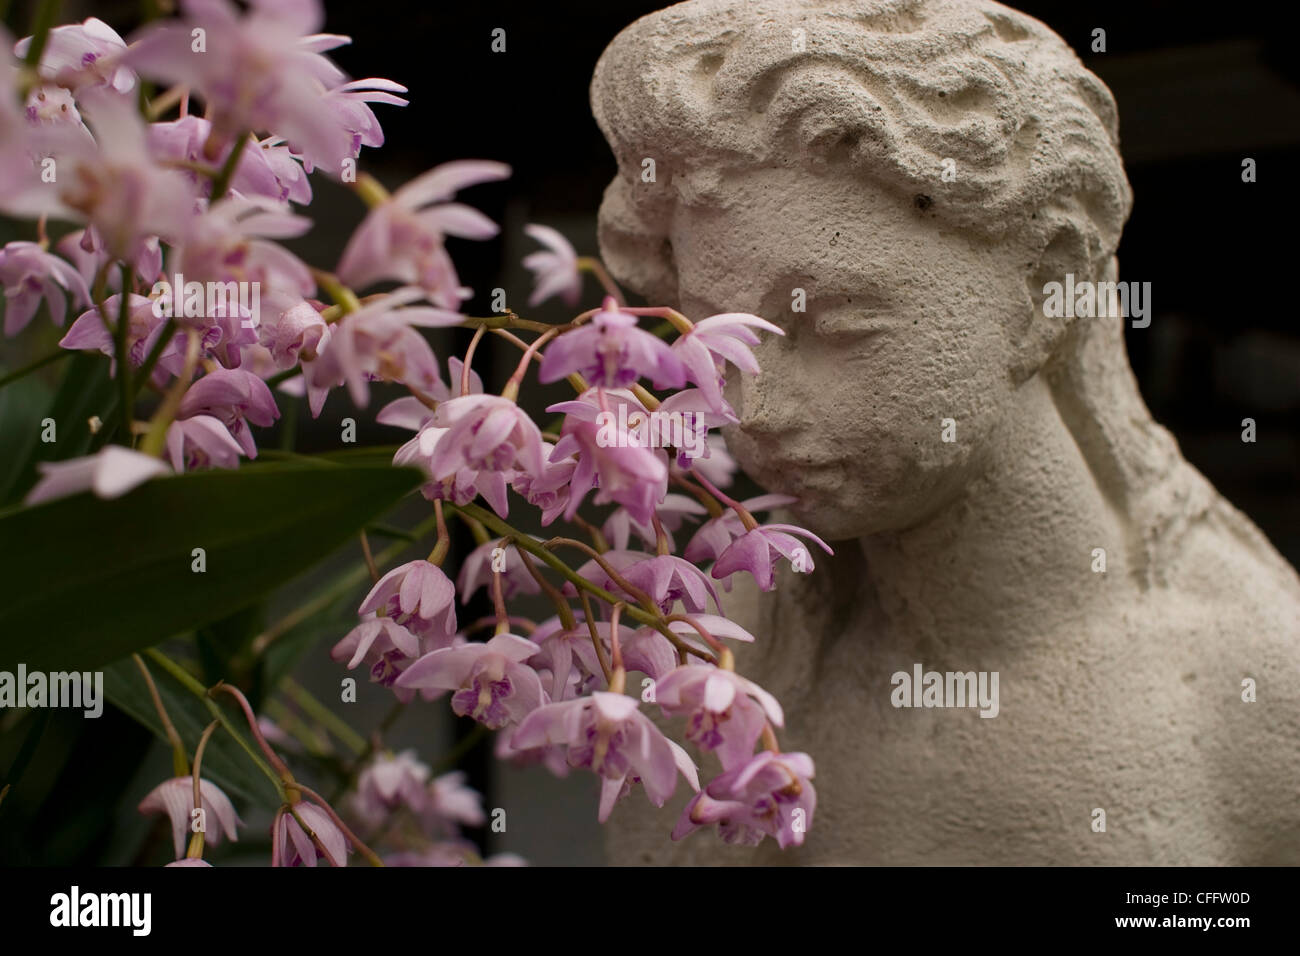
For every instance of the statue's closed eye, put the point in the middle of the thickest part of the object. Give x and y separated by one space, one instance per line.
844 318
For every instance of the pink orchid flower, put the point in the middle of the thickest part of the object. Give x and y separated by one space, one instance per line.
293 846
109 473
725 712
491 682
611 351
175 797
402 238
83 54
712 342
201 441
554 268
29 274
608 735
417 595
768 795
235 397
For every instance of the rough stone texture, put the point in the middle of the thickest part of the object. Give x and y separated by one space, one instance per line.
820 168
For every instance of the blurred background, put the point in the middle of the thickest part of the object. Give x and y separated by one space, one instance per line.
1200 87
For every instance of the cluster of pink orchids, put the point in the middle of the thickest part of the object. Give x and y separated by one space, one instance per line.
212 191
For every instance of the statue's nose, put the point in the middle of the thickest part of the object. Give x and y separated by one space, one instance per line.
760 404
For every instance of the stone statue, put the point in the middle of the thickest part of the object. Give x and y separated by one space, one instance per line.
1002 502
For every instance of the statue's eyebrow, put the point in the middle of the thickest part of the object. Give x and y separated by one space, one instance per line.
825 282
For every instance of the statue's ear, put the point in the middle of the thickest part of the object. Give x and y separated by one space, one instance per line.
1065 251
634 244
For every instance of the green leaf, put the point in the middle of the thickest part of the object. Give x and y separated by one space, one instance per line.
222 642
87 581
85 390
22 407
223 760
284 653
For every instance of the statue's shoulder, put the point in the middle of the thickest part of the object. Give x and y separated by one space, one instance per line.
1200 553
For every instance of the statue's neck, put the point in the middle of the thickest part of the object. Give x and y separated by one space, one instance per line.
1012 555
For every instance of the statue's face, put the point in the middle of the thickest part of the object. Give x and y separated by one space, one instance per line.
907 323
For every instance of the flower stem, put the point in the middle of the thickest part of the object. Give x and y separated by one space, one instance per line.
615 651
190 683
725 656
562 608
469 358
162 103
370 558
277 830
364 850
597 268
597 536
746 518
221 185
506 320
156 437
498 598
320 845
32 367
120 337
280 767
605 566
678 321
385 724
155 353
371 190
179 763
314 708
343 297
195 851
443 543
46 15
333 591
652 618
595 638
464 746
511 391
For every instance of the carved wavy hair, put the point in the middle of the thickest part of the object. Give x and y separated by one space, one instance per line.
892 89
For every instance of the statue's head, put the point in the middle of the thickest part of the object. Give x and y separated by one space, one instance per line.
909 172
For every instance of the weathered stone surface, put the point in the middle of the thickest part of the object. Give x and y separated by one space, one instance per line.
820 167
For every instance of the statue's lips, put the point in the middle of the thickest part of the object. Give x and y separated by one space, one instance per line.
792 470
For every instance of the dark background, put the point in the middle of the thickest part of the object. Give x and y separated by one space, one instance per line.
1200 87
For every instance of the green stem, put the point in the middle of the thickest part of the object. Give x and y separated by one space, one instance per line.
463 746
314 739
222 183
126 394
155 353
180 762
371 856
32 367
342 296
46 15
324 851
496 525
191 684
155 438
337 588
289 425
389 719
506 320
314 708
196 842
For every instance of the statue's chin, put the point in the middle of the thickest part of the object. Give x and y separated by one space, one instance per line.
830 504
